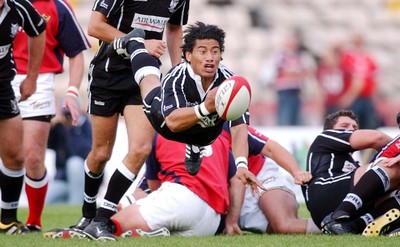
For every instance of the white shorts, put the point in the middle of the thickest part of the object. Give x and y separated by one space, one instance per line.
42 102
252 217
180 210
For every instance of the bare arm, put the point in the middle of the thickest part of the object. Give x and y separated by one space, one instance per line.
236 198
183 118
363 139
100 29
76 69
285 159
36 50
240 148
174 36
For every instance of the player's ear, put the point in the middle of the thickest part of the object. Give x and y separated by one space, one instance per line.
188 56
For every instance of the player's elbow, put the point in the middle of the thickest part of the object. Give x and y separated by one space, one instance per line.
173 126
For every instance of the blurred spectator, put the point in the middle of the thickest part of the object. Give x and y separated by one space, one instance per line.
360 70
330 77
287 71
71 145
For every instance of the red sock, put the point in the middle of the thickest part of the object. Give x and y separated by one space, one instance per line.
118 229
36 194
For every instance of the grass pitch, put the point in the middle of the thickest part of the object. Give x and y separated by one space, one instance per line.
57 216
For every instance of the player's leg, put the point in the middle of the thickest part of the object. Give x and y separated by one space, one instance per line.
36 133
11 174
140 136
103 139
372 185
280 208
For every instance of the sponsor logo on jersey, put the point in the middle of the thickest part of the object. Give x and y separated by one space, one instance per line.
14 29
4 50
165 108
149 22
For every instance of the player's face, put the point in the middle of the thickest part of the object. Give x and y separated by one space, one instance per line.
345 123
205 58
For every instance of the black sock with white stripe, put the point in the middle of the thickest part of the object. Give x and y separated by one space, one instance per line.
119 183
92 186
372 185
11 182
375 213
142 63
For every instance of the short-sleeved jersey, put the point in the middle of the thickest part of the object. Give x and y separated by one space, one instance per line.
16 14
330 156
64 35
256 142
182 88
149 15
165 163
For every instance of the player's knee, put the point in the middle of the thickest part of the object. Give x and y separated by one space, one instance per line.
141 152
101 156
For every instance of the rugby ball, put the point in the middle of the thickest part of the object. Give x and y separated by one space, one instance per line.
233 98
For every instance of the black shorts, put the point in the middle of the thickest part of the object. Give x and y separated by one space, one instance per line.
322 199
110 92
8 103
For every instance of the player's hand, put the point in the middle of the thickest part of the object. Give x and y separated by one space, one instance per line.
71 110
302 177
155 47
247 177
27 88
232 229
390 162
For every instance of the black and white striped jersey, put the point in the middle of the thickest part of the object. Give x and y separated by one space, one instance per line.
149 15
330 156
180 88
16 14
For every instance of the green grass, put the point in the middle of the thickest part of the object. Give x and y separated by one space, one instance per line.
63 216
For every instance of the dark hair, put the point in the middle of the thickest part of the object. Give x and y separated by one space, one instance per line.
332 118
199 30
398 119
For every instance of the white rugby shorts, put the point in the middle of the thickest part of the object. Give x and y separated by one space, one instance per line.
180 210
42 102
251 216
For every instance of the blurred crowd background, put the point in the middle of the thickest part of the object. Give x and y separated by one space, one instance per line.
258 29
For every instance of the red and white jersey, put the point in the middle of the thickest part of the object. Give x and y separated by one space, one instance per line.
64 35
166 163
391 150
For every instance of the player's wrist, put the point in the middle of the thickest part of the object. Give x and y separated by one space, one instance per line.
73 91
241 162
201 110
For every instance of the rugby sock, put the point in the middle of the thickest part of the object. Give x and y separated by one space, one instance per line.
92 186
372 185
142 62
36 190
115 227
11 183
119 183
